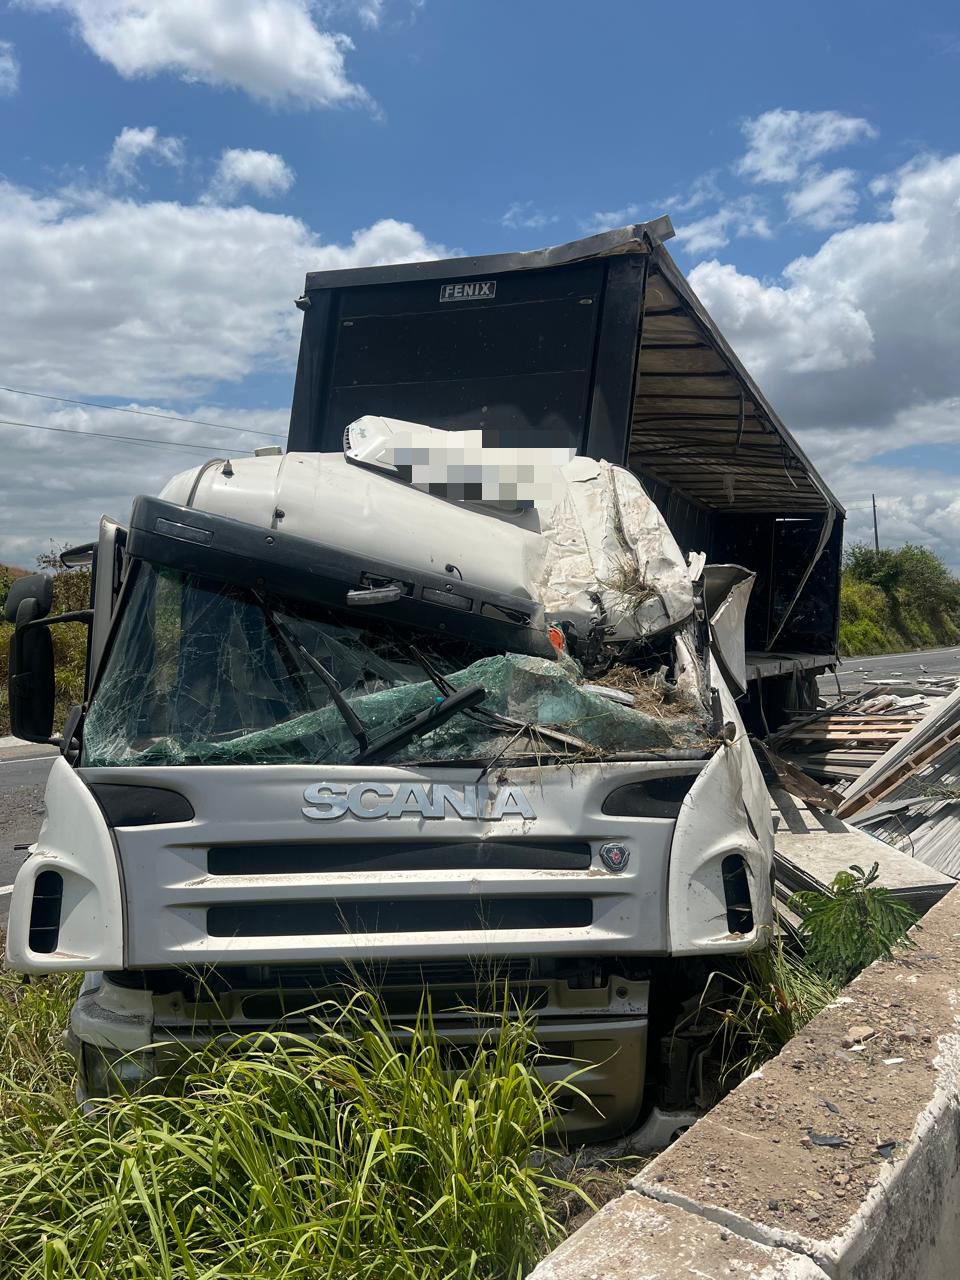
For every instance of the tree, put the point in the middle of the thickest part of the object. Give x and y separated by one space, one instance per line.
883 568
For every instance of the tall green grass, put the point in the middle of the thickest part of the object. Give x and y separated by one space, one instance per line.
776 994
285 1159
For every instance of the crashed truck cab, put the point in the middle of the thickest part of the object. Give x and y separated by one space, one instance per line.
422 710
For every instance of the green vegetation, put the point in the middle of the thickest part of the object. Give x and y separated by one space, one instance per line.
776 994
858 922
895 599
289 1158
71 590
780 989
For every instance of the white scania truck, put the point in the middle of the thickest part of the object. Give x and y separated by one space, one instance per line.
446 711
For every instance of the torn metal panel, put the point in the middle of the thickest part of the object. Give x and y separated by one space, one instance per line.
726 590
580 537
725 815
921 814
813 846
610 559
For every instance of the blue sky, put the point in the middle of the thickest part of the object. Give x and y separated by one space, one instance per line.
170 170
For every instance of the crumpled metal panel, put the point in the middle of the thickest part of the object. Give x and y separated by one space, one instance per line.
726 812
727 589
580 536
611 559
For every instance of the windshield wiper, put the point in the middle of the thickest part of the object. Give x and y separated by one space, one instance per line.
293 644
423 722
419 724
494 719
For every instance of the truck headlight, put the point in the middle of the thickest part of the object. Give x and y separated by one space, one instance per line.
106 1072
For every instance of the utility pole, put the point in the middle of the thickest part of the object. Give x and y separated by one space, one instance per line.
876 535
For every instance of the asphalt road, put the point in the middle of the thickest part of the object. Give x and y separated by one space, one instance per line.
920 664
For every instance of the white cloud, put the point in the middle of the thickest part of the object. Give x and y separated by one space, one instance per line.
597 222
131 145
65 482
856 347
523 215
781 143
880 294
155 300
272 49
781 330
740 218
9 70
370 12
128 298
915 503
261 171
825 200
702 190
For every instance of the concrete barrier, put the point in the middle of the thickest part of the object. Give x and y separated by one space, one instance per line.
842 1156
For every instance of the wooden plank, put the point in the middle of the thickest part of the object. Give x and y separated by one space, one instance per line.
876 719
851 735
913 763
718 384
677 360
669 329
648 405
659 294
838 725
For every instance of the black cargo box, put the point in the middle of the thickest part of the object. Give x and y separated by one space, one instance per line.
600 345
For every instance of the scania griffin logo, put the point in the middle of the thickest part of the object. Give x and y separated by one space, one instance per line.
327 800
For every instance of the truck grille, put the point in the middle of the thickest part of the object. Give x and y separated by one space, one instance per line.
425 855
268 919
397 1002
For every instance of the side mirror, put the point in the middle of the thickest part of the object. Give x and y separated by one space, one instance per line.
37 587
32 681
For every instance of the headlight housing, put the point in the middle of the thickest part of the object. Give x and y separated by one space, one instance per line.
108 1072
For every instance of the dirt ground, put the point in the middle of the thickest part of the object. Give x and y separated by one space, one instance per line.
799 1145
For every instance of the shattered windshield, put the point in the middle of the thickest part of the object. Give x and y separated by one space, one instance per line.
202 673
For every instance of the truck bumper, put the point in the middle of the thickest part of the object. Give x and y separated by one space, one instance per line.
126 1040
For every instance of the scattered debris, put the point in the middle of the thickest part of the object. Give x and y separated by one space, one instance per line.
799 783
917 751
856 1035
811 845
844 740
827 1139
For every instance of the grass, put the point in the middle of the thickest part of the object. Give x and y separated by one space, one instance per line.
341 1157
776 994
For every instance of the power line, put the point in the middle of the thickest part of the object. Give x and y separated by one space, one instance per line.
143 413
107 435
